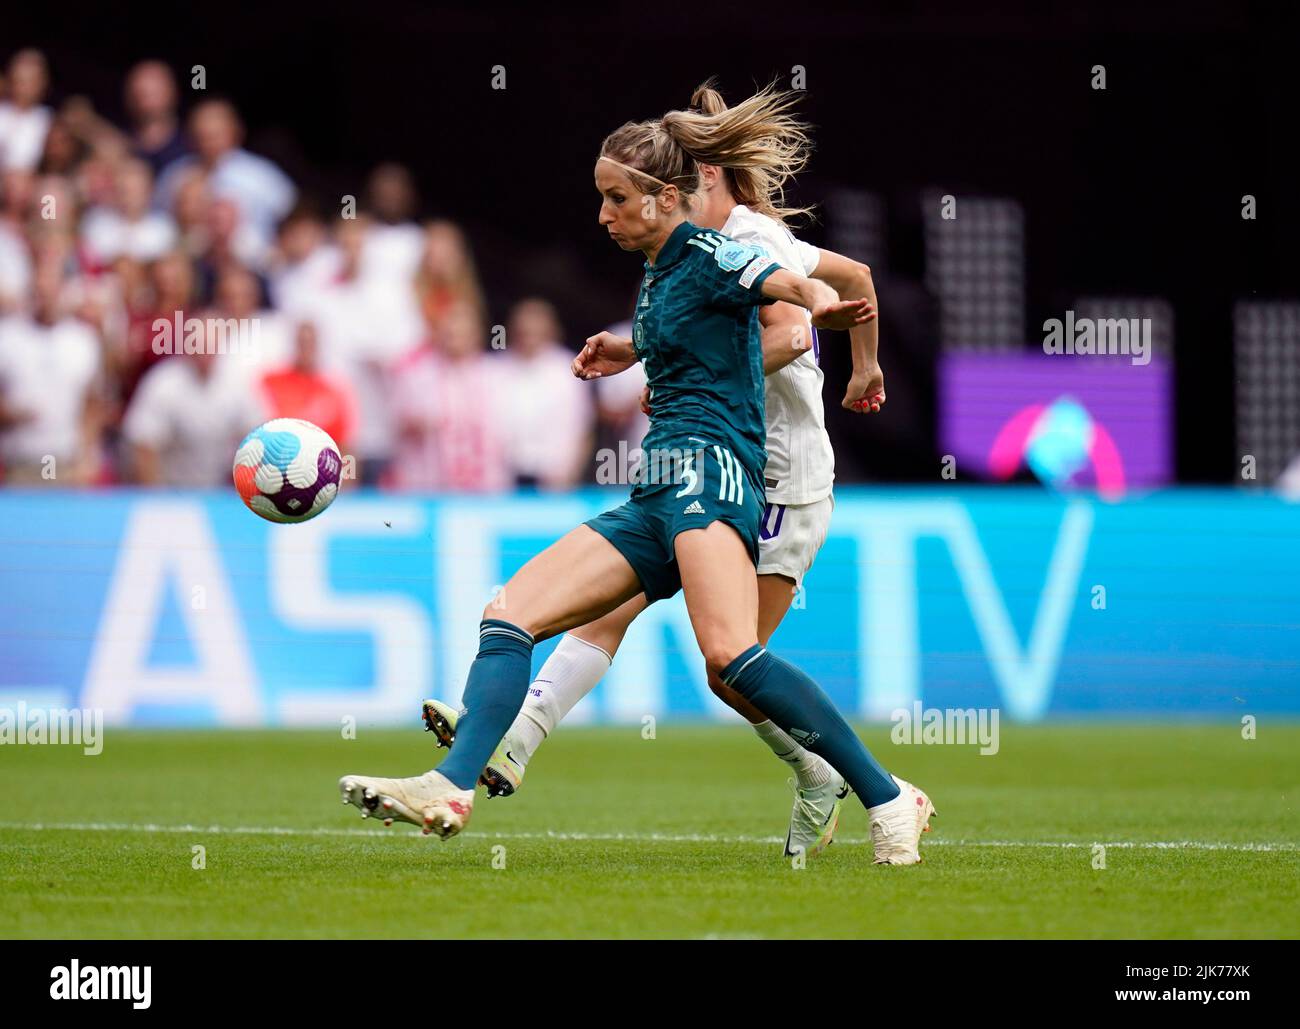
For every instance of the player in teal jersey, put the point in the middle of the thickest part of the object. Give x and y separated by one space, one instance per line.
692 522
746 204
695 331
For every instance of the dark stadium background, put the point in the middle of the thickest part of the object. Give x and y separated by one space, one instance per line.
1132 190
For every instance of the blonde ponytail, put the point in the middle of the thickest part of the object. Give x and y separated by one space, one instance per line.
758 143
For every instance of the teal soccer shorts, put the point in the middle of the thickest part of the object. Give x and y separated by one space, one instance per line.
690 489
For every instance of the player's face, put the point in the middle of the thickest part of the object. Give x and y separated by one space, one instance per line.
632 218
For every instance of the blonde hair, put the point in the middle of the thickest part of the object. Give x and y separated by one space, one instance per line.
438 288
758 143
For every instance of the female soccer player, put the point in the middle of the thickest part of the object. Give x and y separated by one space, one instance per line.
798 476
696 332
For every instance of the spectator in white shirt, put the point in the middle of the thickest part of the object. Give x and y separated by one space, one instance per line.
362 336
447 400
48 410
185 421
93 298
394 245
24 120
261 191
130 228
305 262
548 411
266 336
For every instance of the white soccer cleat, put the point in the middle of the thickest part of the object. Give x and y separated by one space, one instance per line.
896 826
441 720
431 801
503 772
815 816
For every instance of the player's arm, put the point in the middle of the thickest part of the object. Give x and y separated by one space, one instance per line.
604 354
784 326
785 335
852 280
828 310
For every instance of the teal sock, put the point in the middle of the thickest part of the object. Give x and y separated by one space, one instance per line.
494 693
799 706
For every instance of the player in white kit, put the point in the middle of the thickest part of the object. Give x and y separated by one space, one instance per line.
799 475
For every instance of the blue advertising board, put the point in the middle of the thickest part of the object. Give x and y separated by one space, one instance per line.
185 609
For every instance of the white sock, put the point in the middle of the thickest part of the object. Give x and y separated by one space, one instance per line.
810 770
568 675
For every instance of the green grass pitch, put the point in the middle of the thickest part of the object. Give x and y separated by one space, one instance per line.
613 835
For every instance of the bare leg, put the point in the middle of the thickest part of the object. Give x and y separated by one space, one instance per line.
722 598
775 593
578 578
721 592
607 633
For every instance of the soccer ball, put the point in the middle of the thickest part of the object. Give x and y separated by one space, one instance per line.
287 470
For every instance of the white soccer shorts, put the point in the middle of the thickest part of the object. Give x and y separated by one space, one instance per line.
790 536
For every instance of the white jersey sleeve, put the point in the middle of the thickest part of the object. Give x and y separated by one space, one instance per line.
800 462
808 254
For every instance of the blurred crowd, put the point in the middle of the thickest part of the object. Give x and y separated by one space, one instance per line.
164 290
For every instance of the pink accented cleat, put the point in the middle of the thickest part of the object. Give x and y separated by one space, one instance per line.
896 826
431 801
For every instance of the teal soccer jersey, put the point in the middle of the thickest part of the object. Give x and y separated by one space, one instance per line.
696 332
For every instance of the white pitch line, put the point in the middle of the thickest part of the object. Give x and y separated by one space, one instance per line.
583 837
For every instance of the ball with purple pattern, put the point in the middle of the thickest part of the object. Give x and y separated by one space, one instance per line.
288 470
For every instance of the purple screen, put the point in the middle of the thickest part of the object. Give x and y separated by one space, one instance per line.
1093 421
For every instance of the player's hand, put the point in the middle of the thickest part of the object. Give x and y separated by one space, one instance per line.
645 401
843 314
604 354
866 391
